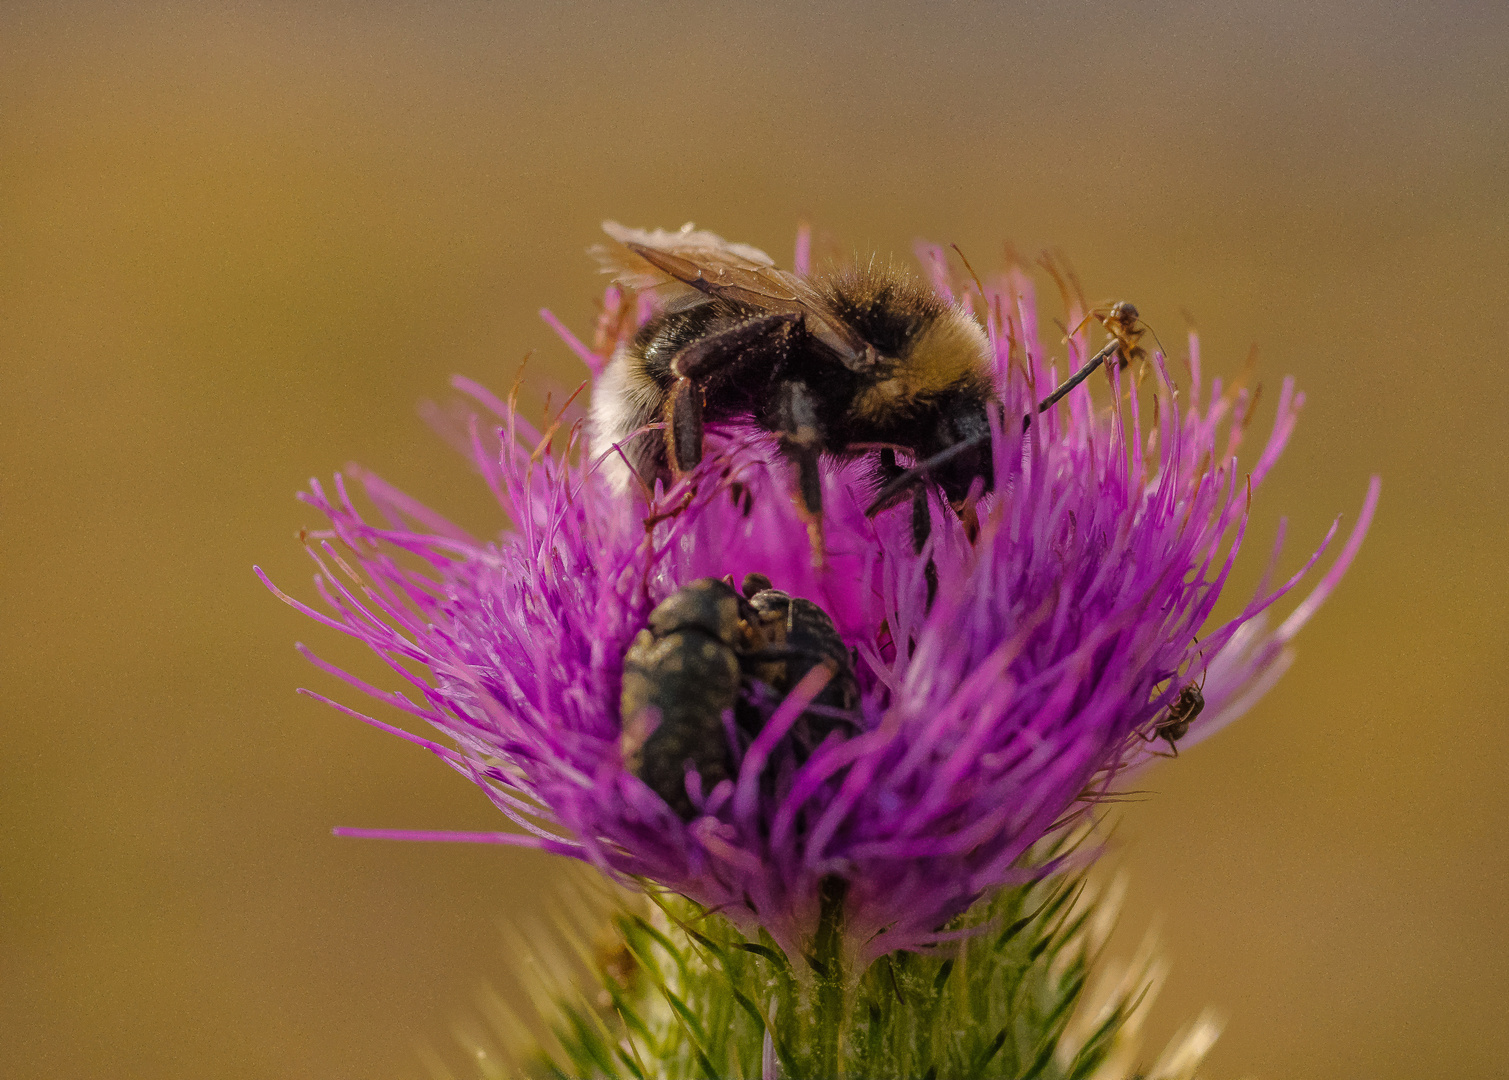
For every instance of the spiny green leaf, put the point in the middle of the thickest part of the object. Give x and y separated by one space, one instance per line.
590 1046
1040 1060
990 1051
1066 1002
636 1070
944 971
1015 928
1068 892
750 1007
874 1036
694 1026
665 943
699 998
761 950
632 1058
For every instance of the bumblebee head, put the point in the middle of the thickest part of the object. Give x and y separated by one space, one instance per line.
961 444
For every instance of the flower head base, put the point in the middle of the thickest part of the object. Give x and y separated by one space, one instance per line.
1006 679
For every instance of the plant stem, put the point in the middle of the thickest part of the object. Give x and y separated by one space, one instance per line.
828 958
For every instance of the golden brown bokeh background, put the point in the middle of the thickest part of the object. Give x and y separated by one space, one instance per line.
240 242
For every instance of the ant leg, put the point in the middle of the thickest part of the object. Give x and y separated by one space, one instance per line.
666 514
1152 737
802 441
714 354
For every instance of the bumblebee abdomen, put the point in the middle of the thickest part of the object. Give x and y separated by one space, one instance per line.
636 387
627 399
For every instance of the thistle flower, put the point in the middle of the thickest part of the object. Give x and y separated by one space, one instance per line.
1007 679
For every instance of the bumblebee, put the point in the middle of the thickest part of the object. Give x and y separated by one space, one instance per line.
701 655
847 363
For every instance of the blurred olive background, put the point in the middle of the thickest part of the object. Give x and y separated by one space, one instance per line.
239 243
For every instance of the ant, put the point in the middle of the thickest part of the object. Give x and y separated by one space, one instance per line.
1175 725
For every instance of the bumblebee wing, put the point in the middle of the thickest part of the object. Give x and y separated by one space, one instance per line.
694 258
691 266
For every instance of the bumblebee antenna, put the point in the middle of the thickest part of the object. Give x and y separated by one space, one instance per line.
1074 380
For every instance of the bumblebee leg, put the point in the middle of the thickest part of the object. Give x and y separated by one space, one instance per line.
703 358
809 491
895 490
742 497
886 473
683 429
802 442
922 521
728 348
922 528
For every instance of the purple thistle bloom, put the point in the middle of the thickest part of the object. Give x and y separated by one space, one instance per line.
1057 641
